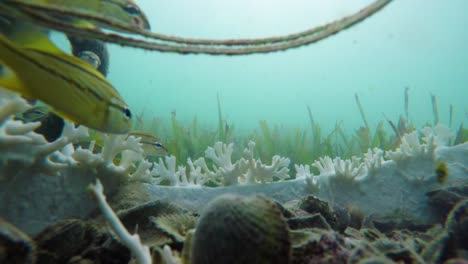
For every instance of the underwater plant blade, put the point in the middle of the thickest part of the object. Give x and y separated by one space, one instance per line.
462 135
435 109
407 103
267 138
361 110
221 132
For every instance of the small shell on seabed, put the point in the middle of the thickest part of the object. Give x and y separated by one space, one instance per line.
15 246
238 229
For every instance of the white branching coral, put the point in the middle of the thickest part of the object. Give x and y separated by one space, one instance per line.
141 252
122 155
341 169
115 144
180 176
166 171
143 171
440 134
414 146
20 146
303 172
325 166
223 168
199 171
373 160
106 161
22 149
411 147
259 172
351 169
220 154
223 171
332 171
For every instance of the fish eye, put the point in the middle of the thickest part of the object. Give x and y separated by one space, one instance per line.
132 9
127 112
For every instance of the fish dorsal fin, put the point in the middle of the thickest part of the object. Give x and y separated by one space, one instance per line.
30 37
83 23
26 35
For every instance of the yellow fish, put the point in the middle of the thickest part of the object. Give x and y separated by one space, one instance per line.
151 144
36 68
79 12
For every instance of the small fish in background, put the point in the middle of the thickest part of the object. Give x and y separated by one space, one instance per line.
441 171
51 124
151 144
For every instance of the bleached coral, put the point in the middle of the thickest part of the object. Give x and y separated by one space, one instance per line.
72 135
106 161
223 170
115 144
143 172
325 166
311 180
20 146
415 149
245 170
440 134
332 172
221 154
22 149
346 169
140 251
373 160
411 147
166 170
123 155
351 169
302 171
259 172
199 171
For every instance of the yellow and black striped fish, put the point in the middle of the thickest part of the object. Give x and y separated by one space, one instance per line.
151 144
34 67
107 14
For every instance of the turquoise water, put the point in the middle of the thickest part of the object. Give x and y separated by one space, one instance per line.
419 44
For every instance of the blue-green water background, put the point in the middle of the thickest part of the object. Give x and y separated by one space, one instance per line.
421 44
